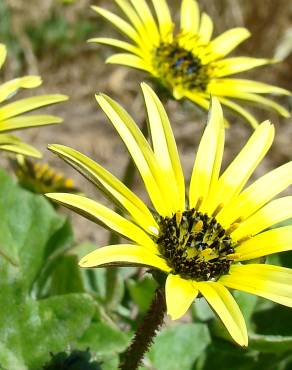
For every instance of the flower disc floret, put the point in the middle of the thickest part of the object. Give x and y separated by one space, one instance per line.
178 66
195 246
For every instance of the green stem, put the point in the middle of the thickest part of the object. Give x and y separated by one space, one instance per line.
146 333
112 282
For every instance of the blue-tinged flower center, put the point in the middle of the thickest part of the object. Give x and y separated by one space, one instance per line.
178 67
195 246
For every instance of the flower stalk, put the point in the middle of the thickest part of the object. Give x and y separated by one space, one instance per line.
146 333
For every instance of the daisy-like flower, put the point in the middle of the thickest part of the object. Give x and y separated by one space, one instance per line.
188 63
200 243
40 177
11 114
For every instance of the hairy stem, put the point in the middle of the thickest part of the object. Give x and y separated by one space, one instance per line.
146 333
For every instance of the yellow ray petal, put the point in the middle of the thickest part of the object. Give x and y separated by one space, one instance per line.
238 109
165 149
208 159
206 28
180 294
118 44
3 53
201 99
229 66
239 171
268 242
268 281
29 104
164 19
137 22
119 23
257 194
274 212
189 17
129 60
9 88
221 300
100 214
13 144
21 122
264 102
229 86
109 185
140 151
229 40
123 255
146 16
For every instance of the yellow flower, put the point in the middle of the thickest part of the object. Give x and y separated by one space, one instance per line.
200 243
40 177
189 64
11 115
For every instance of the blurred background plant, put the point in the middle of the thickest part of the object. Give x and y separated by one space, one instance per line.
39 273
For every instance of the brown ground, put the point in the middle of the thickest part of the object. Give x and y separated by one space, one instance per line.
83 73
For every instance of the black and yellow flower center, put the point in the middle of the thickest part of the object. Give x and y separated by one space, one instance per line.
195 246
178 67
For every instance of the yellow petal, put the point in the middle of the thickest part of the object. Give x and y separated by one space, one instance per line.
229 40
3 53
17 123
268 242
29 104
13 144
165 149
180 294
119 23
257 194
208 159
9 88
164 19
206 28
118 44
128 60
146 16
239 171
138 22
267 281
235 65
100 214
229 86
123 255
237 108
221 300
190 17
274 212
202 100
109 185
140 151
265 102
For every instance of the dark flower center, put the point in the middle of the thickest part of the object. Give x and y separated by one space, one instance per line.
195 246
177 66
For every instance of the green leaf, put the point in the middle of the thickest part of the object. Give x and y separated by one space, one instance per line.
201 310
30 328
179 346
222 355
270 343
53 324
103 339
66 277
142 291
28 223
247 304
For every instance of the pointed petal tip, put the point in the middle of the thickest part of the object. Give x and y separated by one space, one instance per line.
84 262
